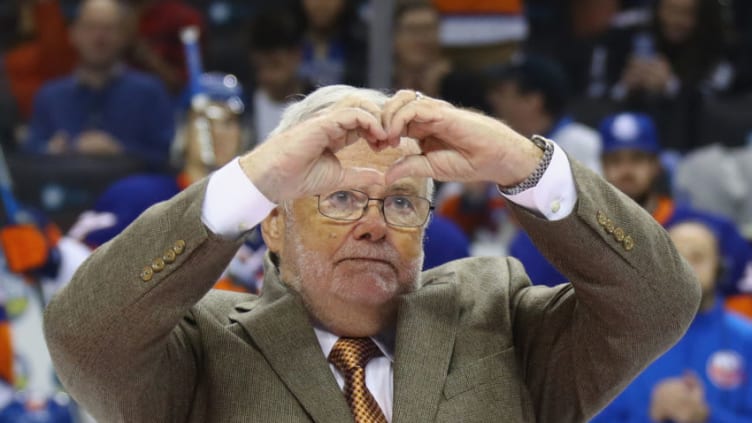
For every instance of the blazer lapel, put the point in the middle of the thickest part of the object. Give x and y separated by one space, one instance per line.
426 328
279 325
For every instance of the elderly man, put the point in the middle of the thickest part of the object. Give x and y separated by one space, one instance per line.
347 327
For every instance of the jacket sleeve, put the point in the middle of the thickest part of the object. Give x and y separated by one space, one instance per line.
121 334
631 297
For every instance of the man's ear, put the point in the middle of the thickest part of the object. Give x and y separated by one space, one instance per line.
273 230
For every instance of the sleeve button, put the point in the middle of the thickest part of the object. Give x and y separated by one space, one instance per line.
555 206
146 274
158 265
169 256
628 243
179 247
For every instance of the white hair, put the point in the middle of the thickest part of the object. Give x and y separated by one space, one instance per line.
327 96
322 98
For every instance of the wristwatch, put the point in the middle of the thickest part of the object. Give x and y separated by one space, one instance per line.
533 179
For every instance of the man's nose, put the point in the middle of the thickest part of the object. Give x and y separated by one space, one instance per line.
372 226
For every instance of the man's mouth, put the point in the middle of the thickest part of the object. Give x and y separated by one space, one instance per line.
365 260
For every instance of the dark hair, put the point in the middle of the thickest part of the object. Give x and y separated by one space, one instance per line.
405 7
274 29
537 74
342 26
704 48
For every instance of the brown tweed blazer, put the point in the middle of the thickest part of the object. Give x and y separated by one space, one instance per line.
476 343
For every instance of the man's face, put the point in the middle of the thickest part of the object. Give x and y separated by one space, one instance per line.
631 171
698 246
276 70
678 19
322 14
416 40
361 265
99 33
515 108
226 134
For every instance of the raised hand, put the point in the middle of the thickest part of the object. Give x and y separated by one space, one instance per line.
301 161
97 142
456 144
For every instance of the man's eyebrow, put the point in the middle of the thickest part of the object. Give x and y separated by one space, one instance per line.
403 189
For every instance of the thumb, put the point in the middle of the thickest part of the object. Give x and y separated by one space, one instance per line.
360 177
416 165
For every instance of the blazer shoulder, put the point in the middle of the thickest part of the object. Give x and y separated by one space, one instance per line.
480 277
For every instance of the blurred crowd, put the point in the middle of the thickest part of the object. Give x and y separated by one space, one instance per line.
108 107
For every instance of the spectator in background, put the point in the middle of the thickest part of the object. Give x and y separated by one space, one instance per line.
276 57
630 162
220 122
474 207
480 33
531 96
704 378
103 108
44 53
156 47
682 58
686 48
419 64
334 44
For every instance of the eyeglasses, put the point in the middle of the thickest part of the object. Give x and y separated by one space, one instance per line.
398 210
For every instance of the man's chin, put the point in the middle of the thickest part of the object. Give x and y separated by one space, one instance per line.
368 290
369 285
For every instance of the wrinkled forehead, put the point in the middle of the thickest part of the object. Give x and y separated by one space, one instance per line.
359 154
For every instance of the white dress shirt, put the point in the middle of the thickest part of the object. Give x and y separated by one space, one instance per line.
233 205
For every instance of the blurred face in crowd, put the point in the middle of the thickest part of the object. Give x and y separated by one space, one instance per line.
697 244
416 39
323 14
276 71
99 33
514 107
632 172
677 19
226 134
345 270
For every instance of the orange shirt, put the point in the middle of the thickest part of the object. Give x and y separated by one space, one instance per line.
471 7
664 210
740 304
471 221
50 55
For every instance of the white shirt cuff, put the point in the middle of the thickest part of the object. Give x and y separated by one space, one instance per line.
555 194
232 204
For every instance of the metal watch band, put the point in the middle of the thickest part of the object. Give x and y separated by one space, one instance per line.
533 179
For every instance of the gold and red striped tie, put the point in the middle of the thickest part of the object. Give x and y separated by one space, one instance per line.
350 356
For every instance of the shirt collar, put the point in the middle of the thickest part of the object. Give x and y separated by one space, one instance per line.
327 340
115 73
